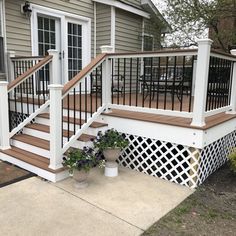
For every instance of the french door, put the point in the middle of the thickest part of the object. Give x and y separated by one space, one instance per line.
68 36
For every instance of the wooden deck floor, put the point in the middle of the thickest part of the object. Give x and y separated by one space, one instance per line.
170 120
90 104
167 103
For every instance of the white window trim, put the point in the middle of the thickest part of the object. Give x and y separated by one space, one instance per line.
125 7
149 35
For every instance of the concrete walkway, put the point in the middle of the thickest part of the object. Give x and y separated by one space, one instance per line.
125 205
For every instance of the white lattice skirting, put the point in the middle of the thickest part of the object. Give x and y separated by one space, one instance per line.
177 163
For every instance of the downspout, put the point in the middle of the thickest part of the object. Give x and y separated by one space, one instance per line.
113 27
95 30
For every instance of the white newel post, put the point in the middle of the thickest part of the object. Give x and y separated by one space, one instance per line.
4 116
55 126
10 66
233 88
54 67
200 92
106 80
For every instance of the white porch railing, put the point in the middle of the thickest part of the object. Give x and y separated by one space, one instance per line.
183 83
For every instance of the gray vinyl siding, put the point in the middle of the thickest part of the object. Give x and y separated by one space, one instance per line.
18 30
128 33
103 27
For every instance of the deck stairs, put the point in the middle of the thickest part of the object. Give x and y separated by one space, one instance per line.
30 149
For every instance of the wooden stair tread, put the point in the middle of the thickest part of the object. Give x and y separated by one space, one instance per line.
30 158
95 124
46 129
34 141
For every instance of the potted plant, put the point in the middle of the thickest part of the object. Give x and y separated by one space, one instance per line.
110 144
79 162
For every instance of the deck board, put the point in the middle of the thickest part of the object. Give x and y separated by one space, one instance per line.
170 120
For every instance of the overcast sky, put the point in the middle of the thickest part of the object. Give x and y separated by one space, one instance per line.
178 37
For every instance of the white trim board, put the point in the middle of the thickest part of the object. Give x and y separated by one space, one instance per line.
125 7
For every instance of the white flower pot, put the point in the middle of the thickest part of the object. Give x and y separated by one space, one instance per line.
111 167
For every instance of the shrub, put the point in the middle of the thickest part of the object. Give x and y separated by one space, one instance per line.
232 161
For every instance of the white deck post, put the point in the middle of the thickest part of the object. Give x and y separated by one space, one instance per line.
4 116
55 126
200 92
10 66
233 87
54 67
106 77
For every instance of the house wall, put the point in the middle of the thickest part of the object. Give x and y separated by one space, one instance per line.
103 25
18 30
128 35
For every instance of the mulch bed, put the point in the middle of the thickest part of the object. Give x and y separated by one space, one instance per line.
210 210
10 174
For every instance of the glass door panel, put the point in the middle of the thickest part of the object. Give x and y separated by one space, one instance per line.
46 41
74 49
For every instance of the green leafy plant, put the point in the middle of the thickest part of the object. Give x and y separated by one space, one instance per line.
232 161
109 140
82 159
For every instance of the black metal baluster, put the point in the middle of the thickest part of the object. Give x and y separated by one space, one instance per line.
21 101
9 113
151 87
181 94
130 81
96 82
124 81
85 101
190 85
208 97
112 80
101 85
91 97
80 105
74 111
68 117
137 81
144 81
158 81
166 77
173 85
118 83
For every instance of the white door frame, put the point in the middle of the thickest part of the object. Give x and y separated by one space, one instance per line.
64 17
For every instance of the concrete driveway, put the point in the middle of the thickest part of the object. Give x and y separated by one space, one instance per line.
125 205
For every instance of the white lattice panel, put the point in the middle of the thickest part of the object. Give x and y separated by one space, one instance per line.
215 155
169 161
177 163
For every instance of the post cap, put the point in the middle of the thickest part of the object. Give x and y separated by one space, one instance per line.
107 49
233 52
204 41
3 83
55 86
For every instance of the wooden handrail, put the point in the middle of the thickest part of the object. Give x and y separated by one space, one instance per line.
72 83
29 72
17 58
154 52
223 53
